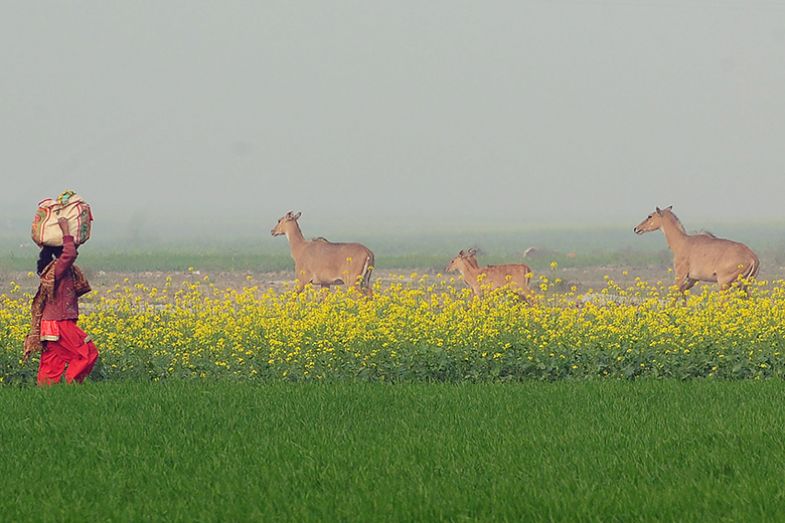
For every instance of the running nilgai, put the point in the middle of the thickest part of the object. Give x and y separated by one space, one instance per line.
325 263
703 256
514 275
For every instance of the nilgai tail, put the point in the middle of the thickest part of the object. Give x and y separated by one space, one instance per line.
752 270
367 270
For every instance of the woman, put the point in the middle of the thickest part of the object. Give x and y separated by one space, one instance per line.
55 311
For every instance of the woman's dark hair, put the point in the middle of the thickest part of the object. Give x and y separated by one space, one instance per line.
46 256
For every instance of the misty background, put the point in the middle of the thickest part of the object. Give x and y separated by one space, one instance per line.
211 119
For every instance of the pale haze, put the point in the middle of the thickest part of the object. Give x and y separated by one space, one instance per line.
433 114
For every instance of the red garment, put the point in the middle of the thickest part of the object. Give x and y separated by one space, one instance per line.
50 330
74 348
64 304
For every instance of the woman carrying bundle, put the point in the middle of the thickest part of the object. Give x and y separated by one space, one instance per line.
55 311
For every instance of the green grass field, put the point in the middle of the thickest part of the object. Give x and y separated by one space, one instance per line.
223 451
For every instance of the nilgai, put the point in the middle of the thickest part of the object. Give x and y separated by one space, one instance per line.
514 275
702 256
322 262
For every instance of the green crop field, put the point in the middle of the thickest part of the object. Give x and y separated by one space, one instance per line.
223 451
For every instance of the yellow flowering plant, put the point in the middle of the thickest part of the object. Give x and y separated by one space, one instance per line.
419 329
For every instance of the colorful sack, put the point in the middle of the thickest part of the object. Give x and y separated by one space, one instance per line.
68 205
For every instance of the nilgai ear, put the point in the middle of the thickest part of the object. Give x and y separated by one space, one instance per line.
669 208
296 216
461 253
472 252
659 211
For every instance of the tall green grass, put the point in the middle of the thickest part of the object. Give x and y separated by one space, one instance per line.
568 451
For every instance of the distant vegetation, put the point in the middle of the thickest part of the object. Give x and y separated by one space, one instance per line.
406 250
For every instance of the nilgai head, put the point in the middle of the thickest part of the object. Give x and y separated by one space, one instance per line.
463 259
652 221
280 227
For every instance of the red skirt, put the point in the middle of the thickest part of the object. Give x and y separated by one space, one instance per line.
67 351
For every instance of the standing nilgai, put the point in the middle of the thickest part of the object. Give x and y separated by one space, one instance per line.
322 262
514 275
703 256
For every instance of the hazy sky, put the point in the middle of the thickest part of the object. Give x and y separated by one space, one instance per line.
535 111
